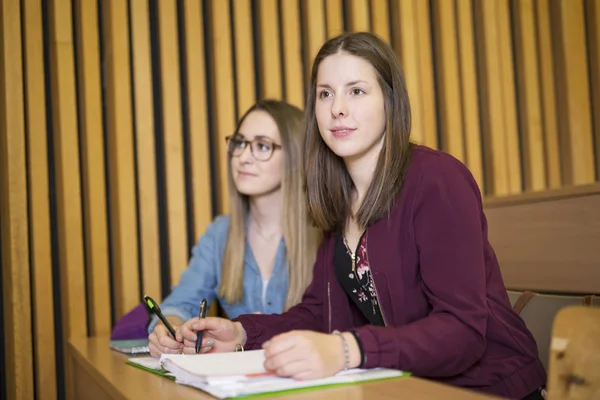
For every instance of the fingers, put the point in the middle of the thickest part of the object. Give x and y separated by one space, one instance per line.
190 348
281 343
159 342
186 331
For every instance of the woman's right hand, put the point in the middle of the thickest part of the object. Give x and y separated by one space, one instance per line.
160 341
219 335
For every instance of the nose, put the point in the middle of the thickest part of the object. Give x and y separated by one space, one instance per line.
246 155
338 107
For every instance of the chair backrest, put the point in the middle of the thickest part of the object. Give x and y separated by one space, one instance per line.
574 372
538 312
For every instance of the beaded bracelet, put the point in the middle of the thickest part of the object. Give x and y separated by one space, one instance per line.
346 350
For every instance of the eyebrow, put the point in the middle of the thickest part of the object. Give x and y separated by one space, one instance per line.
255 137
352 83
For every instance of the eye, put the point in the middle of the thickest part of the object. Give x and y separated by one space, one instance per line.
357 91
263 146
324 93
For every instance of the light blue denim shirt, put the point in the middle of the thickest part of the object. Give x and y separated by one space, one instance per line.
202 278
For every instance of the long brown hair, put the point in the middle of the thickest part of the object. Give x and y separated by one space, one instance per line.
329 185
300 236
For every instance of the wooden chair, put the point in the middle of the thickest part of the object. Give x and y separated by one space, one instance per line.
574 372
539 310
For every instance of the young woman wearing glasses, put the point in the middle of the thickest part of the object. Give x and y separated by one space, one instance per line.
259 258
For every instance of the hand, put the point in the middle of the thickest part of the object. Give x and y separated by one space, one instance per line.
306 355
220 335
160 341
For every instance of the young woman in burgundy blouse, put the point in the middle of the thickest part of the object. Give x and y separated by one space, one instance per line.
405 277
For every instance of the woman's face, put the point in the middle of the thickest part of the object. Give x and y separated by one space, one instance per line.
349 107
257 169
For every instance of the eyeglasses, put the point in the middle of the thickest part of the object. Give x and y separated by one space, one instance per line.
262 148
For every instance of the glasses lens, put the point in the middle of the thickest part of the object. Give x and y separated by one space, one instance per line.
262 149
236 145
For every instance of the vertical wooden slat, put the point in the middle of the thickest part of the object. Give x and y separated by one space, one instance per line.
244 56
334 16
448 78
494 142
145 148
425 47
270 57
380 22
68 188
529 96
359 15
222 90
548 94
593 24
313 33
13 202
406 45
573 93
198 116
39 207
124 238
292 53
92 149
509 100
469 90
173 137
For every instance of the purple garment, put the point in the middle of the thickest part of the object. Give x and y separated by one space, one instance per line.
448 316
132 325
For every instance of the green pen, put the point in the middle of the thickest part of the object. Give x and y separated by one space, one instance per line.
153 306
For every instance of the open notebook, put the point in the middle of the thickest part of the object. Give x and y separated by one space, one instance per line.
227 375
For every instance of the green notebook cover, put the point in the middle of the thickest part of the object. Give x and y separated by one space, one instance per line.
154 371
310 388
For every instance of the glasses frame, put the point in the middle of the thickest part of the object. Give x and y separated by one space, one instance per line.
274 147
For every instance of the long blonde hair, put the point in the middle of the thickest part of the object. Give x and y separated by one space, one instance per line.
300 236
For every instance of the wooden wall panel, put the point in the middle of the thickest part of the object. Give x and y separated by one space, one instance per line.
143 114
334 16
244 56
592 11
269 57
313 25
490 86
223 93
124 239
509 99
16 290
530 121
448 78
425 49
380 19
468 89
198 117
548 94
66 149
359 15
39 207
292 53
413 44
68 188
94 179
573 93
172 137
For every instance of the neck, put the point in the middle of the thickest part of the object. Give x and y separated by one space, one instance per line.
361 169
265 212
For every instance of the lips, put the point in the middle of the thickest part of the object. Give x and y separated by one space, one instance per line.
245 174
342 131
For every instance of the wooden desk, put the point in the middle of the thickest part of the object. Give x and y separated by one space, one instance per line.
101 373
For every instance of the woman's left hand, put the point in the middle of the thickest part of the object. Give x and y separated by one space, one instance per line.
304 355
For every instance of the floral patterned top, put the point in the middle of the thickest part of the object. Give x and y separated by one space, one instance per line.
358 284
